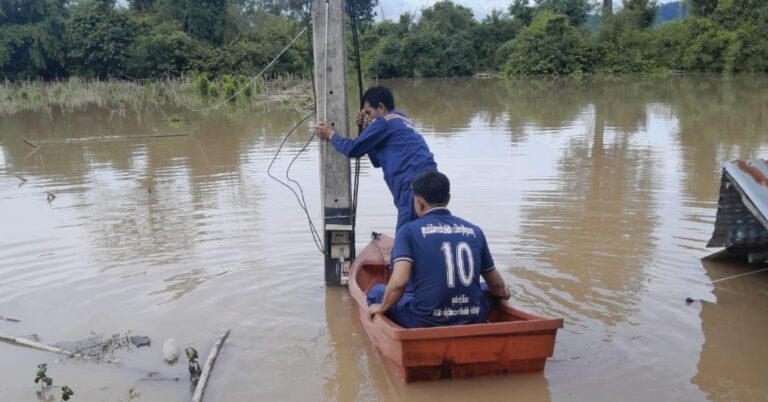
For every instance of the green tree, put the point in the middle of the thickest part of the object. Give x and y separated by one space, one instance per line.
703 8
205 20
576 10
255 49
98 36
623 39
640 13
383 54
441 42
550 45
162 50
709 47
668 44
521 11
141 6
493 31
607 8
365 9
30 39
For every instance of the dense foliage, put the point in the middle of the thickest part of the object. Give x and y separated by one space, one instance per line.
98 39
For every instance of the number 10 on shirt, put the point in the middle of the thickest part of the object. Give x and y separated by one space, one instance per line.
466 270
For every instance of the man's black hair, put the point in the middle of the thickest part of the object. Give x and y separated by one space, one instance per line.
433 187
376 95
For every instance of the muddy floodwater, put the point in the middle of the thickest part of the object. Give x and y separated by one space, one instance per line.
597 198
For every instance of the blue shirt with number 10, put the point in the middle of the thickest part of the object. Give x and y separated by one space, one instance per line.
448 254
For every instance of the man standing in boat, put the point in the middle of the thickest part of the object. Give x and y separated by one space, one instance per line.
441 257
391 143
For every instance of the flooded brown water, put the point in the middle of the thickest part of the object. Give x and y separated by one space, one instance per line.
597 198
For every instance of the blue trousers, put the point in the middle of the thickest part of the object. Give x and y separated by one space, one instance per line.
405 211
402 315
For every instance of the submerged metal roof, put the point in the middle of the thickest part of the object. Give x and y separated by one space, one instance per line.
743 206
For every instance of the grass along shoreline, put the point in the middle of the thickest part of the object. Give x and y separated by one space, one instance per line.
194 93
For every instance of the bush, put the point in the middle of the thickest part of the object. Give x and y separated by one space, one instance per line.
668 43
203 84
229 87
710 47
213 91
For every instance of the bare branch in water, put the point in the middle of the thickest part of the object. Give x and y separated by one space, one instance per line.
23 180
124 137
41 346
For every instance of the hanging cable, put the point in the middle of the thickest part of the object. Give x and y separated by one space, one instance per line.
316 237
300 198
178 98
351 11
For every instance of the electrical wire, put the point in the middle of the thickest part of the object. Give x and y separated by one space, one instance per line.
356 46
299 197
317 238
178 98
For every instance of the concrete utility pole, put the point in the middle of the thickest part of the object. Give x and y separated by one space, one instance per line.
607 8
329 42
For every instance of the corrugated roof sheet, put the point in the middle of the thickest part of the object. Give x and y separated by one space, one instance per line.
743 207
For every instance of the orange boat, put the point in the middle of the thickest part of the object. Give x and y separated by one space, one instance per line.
511 341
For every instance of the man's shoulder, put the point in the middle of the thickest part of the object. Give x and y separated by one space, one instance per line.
412 226
463 226
461 220
396 116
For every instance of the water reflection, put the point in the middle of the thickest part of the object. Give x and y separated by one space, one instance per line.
732 365
597 195
607 217
440 106
357 368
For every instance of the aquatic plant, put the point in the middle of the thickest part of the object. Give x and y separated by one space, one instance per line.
120 96
44 380
229 87
203 84
130 395
193 366
42 377
66 393
213 90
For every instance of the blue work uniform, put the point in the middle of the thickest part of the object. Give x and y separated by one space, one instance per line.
448 255
392 144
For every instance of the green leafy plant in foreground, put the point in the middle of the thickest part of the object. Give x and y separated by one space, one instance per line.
42 376
44 380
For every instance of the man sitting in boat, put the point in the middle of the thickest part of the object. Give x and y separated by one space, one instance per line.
442 257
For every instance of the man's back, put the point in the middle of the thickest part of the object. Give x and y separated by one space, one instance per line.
393 144
448 255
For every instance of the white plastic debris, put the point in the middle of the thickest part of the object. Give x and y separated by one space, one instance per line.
170 351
